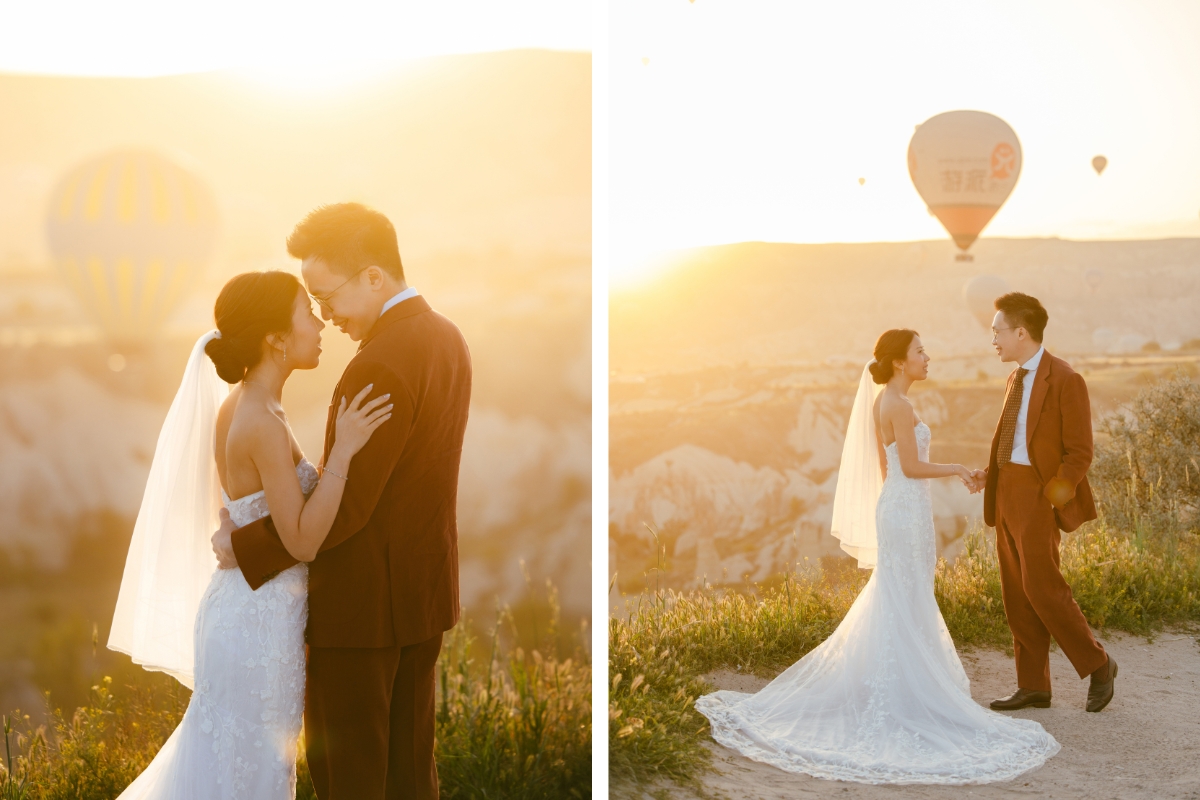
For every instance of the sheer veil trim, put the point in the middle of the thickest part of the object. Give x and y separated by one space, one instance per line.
860 479
170 559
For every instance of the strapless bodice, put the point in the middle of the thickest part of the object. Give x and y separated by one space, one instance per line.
924 437
246 509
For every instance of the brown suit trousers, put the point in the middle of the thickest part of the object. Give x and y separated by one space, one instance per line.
1037 599
366 707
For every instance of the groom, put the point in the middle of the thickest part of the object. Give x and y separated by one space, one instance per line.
384 586
1036 485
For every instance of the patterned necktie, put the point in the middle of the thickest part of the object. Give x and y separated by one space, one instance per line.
1008 421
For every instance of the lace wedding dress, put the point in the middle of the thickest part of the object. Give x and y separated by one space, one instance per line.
239 735
884 699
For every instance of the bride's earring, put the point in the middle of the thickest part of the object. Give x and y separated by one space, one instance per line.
285 352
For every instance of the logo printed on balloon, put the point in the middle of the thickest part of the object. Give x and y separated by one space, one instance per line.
1004 161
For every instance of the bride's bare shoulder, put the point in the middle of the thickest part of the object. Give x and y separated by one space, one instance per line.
893 405
250 423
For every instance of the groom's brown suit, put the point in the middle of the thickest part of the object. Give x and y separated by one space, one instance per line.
1037 600
384 586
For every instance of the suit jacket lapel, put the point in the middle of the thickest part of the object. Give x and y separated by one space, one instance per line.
1041 384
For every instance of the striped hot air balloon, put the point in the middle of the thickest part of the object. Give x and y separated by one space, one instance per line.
131 231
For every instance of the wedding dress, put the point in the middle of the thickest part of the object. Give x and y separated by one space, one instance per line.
238 737
884 699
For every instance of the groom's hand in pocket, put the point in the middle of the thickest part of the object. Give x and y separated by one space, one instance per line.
222 542
1058 492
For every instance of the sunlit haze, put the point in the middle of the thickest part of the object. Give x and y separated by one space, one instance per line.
283 42
127 203
755 120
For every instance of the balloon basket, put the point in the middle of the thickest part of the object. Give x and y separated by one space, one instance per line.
963 257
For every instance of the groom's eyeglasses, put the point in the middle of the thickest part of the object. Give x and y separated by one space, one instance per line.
996 331
322 300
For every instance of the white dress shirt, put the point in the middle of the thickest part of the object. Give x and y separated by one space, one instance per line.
1020 452
399 298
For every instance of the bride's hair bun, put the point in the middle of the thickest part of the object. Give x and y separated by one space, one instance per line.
249 307
891 346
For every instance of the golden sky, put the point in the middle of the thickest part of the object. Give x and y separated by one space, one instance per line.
300 41
751 120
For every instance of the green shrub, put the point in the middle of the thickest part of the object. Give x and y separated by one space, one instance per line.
1146 470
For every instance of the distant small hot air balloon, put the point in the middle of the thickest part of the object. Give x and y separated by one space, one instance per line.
130 231
964 164
980 294
1094 278
1099 163
861 181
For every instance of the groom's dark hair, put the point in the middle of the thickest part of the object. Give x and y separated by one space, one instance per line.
1024 311
347 237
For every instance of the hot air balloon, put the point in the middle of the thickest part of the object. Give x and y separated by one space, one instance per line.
861 181
130 231
964 164
980 294
1094 278
1099 163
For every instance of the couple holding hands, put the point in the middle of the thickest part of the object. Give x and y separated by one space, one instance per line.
885 698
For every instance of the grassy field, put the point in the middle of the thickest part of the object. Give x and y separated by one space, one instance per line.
660 651
1137 569
513 721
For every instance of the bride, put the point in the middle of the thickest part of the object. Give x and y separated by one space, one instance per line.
884 699
240 651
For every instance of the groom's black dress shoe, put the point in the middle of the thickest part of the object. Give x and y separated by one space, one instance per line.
1022 698
1100 692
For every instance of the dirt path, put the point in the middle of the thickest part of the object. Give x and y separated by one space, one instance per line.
1146 744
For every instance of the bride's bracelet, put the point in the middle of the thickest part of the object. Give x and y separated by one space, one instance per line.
336 475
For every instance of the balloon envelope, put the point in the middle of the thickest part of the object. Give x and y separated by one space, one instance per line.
130 231
980 295
1099 163
964 164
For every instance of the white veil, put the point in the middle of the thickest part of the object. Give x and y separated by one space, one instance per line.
860 479
170 559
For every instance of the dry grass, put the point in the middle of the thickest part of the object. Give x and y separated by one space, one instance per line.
516 724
